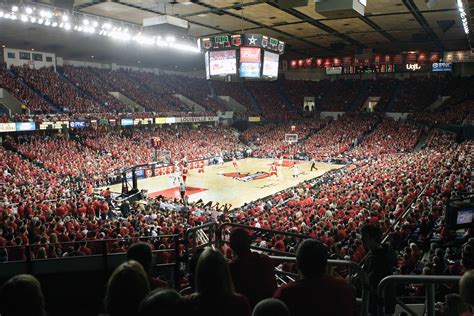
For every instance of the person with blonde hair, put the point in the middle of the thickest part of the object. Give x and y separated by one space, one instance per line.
215 294
127 287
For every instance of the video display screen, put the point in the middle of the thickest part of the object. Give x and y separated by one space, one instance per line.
270 64
222 63
250 62
464 216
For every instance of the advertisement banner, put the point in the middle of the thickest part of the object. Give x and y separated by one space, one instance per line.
25 126
126 122
53 125
270 64
160 120
333 70
170 120
413 67
143 121
250 70
7 127
442 67
77 124
254 119
200 119
250 54
222 63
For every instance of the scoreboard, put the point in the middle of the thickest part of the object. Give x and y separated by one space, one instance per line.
241 57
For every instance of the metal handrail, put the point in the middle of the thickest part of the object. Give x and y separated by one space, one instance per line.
428 280
351 266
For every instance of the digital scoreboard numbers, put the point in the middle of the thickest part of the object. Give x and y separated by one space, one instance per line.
220 42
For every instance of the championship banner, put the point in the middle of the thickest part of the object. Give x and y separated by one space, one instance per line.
7 127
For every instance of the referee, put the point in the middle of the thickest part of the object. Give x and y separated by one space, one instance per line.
313 164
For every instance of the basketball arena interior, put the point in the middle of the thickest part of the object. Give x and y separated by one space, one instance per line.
236 157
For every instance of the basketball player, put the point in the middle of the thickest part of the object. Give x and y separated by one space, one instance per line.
274 170
295 170
281 160
234 163
313 164
177 174
201 167
185 173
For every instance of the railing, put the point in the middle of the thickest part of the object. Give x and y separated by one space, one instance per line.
102 255
220 240
428 281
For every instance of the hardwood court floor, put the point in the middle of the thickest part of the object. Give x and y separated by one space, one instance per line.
213 185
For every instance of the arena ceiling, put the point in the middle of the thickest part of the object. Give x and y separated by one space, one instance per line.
388 26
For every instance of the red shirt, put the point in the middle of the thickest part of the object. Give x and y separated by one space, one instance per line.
326 296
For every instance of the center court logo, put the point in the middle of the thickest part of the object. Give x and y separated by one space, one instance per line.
246 177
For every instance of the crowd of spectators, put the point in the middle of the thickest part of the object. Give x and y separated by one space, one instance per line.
61 93
234 90
17 87
415 94
144 88
271 102
339 136
90 84
340 95
390 136
270 139
196 89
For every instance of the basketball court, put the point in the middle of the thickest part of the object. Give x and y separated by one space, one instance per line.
226 184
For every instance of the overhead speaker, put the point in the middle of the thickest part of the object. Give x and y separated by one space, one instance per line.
431 3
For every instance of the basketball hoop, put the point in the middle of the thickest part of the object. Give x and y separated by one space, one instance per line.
291 139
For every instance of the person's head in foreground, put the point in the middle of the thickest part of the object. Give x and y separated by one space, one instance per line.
311 259
22 295
466 287
161 302
212 276
240 241
127 286
271 307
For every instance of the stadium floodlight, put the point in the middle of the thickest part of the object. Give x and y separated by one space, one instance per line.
41 21
2 14
185 48
67 26
15 8
13 17
65 18
33 19
170 39
80 28
54 24
95 24
28 10
47 23
85 22
24 18
464 19
7 16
